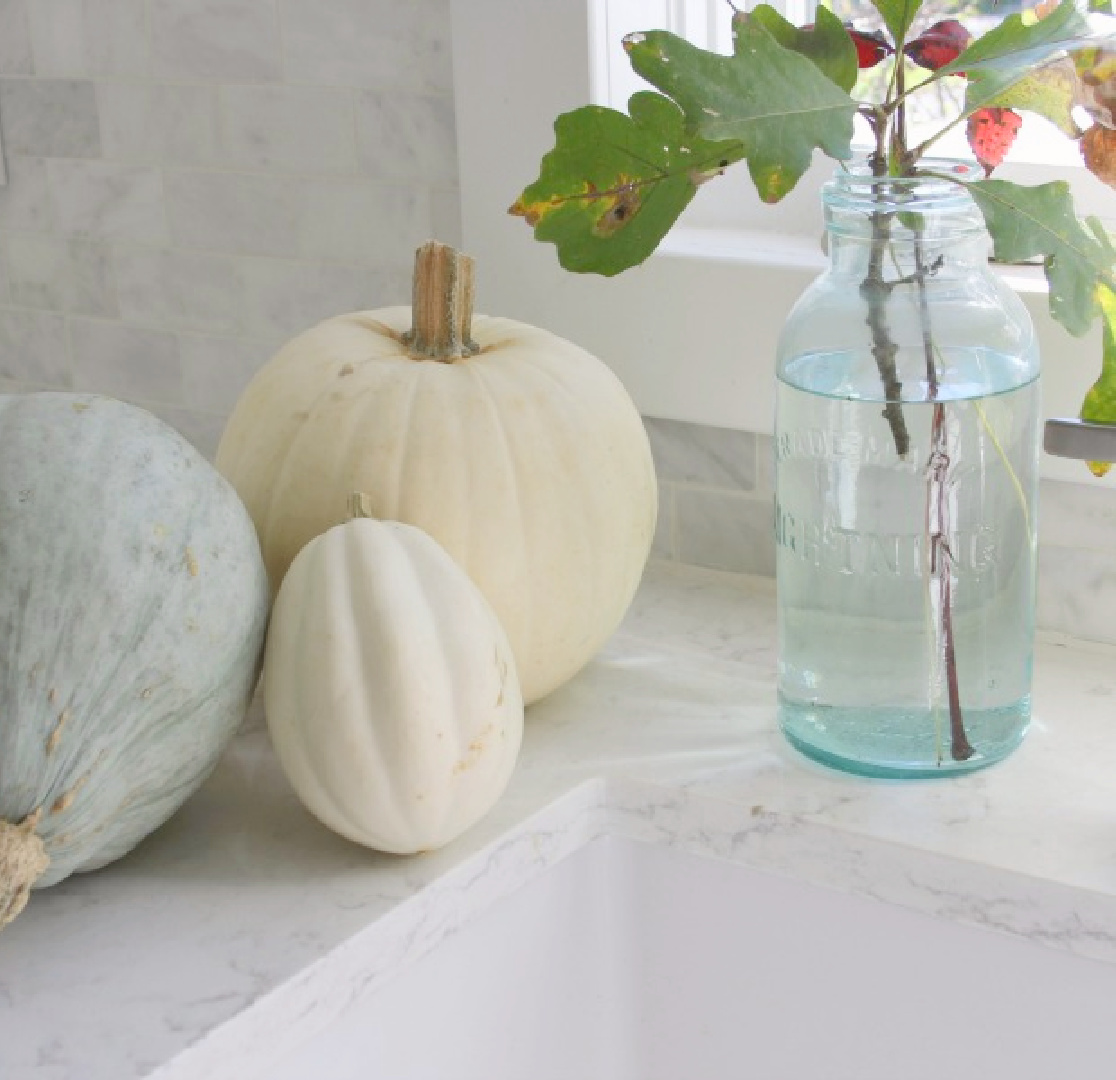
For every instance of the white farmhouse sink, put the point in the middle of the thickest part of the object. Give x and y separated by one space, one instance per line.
630 961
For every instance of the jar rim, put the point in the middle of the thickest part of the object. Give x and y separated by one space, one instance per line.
940 184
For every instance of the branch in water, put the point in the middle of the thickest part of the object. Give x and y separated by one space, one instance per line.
875 291
937 520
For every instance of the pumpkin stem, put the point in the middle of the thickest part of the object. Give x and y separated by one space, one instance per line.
23 859
442 305
359 506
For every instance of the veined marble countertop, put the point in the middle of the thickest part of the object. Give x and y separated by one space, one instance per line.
214 947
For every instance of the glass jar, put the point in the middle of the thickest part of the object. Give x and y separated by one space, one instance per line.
906 465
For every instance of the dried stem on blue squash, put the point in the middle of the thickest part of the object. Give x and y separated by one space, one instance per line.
23 860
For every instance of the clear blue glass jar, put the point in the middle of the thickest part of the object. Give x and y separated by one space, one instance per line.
906 465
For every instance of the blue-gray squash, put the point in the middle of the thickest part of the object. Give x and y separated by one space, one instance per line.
133 605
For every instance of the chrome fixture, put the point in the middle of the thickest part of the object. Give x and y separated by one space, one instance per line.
1081 439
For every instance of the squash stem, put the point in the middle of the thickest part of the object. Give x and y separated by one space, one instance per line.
442 305
359 506
23 860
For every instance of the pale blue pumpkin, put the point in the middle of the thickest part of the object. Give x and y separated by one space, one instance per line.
133 605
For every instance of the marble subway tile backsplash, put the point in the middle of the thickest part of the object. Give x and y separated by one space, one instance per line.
712 512
284 297
716 505
724 530
60 275
419 139
58 39
179 290
247 214
25 204
710 457
33 348
102 199
193 182
1077 559
15 39
289 129
126 361
88 37
158 123
50 117
219 40
357 221
369 43
215 371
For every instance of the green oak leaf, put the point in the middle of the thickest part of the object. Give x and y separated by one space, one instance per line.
775 102
1025 222
614 184
826 43
898 16
1050 90
1099 405
1012 48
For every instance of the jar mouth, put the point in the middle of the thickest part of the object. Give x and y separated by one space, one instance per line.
940 185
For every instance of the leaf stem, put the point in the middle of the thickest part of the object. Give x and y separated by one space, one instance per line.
899 162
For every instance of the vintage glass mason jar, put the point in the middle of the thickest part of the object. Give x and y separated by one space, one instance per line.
906 463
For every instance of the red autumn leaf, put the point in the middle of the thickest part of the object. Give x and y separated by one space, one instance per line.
991 132
938 45
871 48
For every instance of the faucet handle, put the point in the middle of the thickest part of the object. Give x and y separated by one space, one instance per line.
1085 440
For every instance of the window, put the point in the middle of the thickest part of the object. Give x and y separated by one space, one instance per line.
692 332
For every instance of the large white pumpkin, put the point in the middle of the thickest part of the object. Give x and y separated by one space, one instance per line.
390 688
133 604
526 460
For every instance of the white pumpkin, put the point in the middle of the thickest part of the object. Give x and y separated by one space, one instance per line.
390 688
133 603
524 458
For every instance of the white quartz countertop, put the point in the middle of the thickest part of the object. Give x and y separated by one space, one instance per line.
219 939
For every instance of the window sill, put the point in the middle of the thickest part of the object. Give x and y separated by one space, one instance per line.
754 247
746 247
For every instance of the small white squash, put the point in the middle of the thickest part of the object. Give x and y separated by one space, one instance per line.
519 452
390 688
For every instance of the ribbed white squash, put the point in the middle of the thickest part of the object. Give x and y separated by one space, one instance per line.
527 462
390 689
133 604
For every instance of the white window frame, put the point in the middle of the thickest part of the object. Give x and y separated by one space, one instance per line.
692 331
